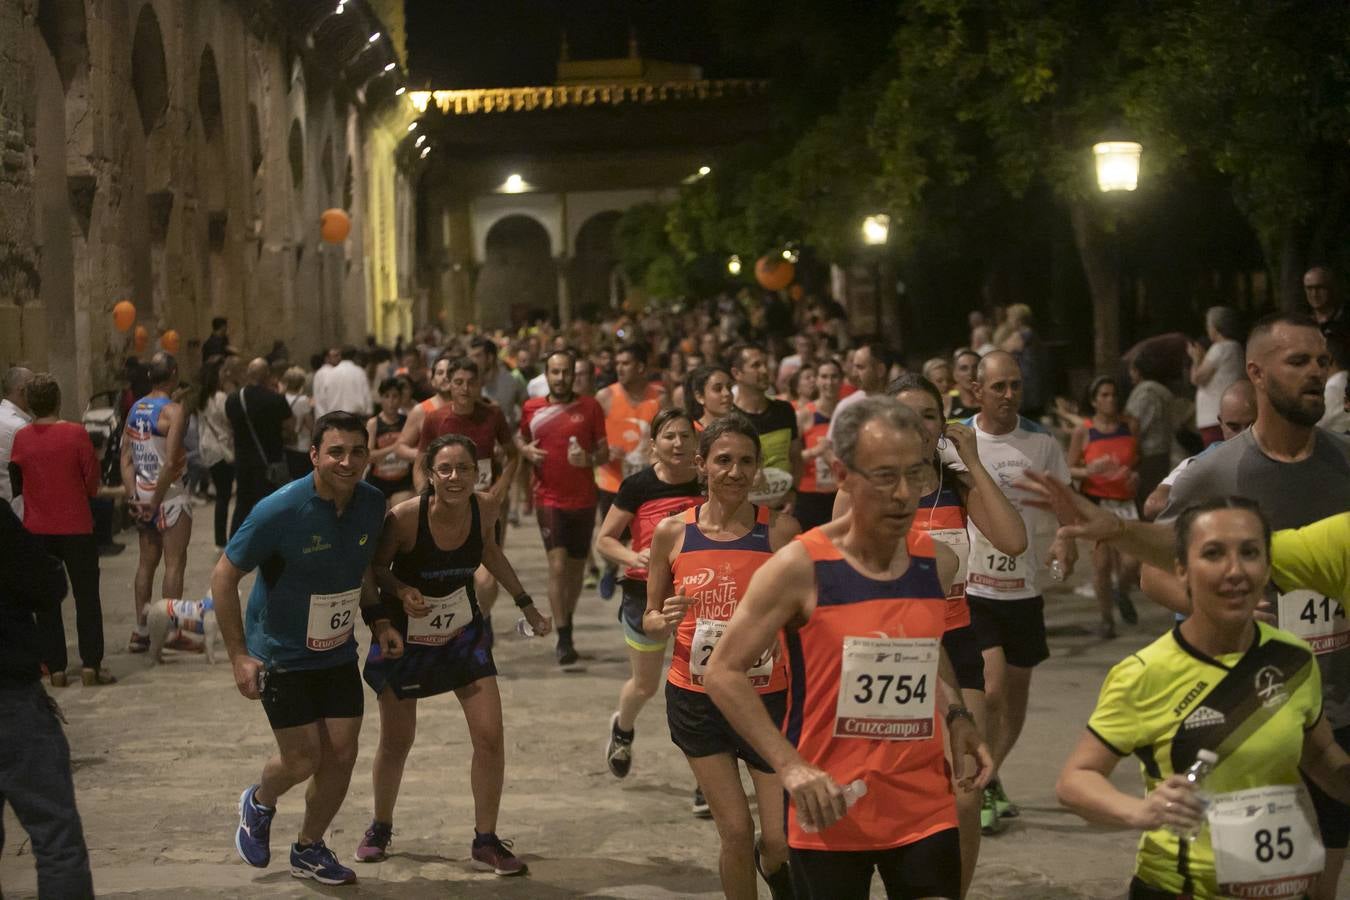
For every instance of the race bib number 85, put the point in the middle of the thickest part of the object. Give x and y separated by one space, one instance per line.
1265 843
886 689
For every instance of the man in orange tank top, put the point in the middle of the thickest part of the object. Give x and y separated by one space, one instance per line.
861 602
630 404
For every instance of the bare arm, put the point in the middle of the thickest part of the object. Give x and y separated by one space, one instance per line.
411 436
795 459
609 545
1076 442
1326 762
1084 786
661 617
225 580
989 508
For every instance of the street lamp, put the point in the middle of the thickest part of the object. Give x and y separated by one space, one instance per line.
876 230
733 265
1117 165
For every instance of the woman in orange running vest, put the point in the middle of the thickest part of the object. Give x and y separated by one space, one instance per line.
1104 456
701 565
862 603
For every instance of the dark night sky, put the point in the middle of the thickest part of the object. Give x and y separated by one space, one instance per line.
503 43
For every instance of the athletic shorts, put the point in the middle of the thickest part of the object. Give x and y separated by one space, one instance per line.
1018 626
568 529
170 510
424 671
699 729
929 867
631 609
813 509
1332 816
963 649
292 699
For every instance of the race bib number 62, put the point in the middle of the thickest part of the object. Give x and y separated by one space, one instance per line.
332 617
886 688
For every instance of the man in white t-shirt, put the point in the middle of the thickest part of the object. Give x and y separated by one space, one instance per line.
1006 608
1213 370
344 388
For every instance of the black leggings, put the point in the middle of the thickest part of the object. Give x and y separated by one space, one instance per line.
79 553
222 476
926 868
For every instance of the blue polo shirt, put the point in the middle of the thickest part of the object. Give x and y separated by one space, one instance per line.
302 547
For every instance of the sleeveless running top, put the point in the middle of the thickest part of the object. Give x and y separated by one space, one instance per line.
386 436
861 704
150 446
714 575
437 572
943 517
816 475
628 425
1118 445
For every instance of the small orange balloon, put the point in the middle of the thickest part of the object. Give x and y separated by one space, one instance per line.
335 225
124 315
169 341
774 273
140 338
796 292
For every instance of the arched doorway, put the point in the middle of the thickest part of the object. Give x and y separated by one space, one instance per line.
517 282
595 262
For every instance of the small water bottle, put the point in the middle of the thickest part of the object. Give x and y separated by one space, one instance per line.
523 628
853 792
1056 571
1205 761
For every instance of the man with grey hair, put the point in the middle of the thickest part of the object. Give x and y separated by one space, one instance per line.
14 415
861 602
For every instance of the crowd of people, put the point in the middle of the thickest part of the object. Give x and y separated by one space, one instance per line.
838 564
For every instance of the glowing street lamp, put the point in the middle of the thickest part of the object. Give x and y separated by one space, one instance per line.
733 265
514 184
1117 165
876 230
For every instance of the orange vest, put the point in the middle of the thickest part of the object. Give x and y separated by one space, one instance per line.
628 426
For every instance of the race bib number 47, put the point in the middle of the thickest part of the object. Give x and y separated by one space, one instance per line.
332 617
447 618
1265 843
886 689
1319 620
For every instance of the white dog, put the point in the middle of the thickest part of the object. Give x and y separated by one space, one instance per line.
183 625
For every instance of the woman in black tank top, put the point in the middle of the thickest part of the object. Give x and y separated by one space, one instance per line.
393 476
429 550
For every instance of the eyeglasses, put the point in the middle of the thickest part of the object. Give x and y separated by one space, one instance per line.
922 476
464 471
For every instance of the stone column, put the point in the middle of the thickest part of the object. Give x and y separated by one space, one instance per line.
563 265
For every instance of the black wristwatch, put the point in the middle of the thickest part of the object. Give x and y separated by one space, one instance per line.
523 599
958 712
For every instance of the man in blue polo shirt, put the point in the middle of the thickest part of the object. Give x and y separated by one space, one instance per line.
312 543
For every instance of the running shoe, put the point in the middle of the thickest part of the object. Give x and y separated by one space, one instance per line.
252 837
609 580
591 580
699 805
780 882
96 677
374 845
989 820
59 679
318 862
619 750
567 654
1125 606
492 854
1006 808
138 643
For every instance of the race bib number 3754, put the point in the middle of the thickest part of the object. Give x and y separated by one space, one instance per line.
886 689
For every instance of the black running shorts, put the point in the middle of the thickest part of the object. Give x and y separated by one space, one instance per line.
698 728
1017 626
569 529
292 699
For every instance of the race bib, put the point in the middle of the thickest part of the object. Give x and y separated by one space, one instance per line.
484 479
706 635
958 541
886 689
824 474
1265 842
447 618
1318 619
993 569
331 619
773 488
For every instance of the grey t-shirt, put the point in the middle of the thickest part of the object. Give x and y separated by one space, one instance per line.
1291 495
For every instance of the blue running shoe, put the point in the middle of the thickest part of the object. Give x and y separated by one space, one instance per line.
609 580
318 862
252 837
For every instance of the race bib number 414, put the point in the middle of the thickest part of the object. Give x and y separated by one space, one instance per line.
886 689
1319 620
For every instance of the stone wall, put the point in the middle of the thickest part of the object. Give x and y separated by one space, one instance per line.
179 154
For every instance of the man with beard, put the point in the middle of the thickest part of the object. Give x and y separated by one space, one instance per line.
1298 474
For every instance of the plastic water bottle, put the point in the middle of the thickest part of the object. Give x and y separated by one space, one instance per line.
853 792
1056 571
523 628
1205 761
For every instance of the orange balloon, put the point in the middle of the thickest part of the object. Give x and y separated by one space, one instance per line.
124 315
796 292
169 341
140 338
774 273
335 225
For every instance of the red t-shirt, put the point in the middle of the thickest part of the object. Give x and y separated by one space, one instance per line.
561 484
485 426
60 474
